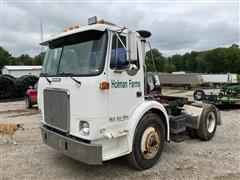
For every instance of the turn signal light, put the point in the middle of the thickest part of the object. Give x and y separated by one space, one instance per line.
104 85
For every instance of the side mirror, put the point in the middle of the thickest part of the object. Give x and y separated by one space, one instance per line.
132 46
132 70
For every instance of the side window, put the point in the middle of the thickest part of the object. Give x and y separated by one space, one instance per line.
118 54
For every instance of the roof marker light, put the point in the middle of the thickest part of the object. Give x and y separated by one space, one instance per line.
101 21
77 26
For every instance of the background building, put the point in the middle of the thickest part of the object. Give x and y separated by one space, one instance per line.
18 71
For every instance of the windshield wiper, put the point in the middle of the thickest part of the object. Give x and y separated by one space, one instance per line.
66 74
70 75
44 75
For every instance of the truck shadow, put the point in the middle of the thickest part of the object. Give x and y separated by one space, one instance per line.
228 107
69 164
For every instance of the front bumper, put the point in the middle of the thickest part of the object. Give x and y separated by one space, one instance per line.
81 151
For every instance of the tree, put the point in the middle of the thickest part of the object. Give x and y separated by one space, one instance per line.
38 59
178 61
154 57
169 67
4 57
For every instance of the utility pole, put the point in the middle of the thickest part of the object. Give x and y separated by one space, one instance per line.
41 28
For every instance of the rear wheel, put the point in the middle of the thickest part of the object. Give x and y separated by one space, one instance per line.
148 142
208 123
28 103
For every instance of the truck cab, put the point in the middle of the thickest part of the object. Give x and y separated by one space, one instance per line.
92 94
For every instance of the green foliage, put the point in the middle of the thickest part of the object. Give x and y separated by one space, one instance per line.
158 61
219 60
5 57
169 67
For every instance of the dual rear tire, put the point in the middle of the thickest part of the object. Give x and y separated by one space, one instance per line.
207 126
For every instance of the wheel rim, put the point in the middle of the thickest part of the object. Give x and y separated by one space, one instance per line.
150 143
198 95
211 121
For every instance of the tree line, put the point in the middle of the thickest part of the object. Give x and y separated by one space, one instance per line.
218 60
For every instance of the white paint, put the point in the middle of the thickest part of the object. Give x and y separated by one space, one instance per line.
219 78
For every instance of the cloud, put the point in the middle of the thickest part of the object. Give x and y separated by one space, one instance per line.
177 27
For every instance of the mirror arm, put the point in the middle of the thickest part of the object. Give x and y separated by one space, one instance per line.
121 41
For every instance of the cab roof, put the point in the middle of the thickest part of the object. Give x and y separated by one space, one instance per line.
97 27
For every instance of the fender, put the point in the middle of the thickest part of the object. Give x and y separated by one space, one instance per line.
137 115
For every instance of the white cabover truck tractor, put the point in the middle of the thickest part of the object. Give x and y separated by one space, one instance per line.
98 102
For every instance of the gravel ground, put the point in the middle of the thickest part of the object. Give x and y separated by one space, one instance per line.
218 158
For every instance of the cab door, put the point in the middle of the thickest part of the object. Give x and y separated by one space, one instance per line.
126 91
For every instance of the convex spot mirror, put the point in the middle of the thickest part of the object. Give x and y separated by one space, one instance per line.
132 70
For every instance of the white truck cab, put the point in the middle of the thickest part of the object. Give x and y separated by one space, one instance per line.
94 100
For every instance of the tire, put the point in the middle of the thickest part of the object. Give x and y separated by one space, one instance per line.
8 86
199 95
208 123
150 129
24 82
192 133
28 103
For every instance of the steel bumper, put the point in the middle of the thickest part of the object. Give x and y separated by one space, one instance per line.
81 151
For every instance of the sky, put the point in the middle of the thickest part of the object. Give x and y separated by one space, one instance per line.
177 26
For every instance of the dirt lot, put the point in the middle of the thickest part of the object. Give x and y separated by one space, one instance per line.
192 159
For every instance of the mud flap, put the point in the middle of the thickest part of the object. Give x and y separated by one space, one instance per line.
219 119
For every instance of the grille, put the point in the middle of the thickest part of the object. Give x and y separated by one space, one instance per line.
57 109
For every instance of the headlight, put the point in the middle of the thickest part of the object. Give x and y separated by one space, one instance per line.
84 128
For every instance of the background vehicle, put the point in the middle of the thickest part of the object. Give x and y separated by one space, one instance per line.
229 95
98 102
31 96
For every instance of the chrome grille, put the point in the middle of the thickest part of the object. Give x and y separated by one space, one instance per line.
57 109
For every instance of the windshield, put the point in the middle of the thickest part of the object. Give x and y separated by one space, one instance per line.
80 54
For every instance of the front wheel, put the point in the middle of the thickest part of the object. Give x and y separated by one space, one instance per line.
148 142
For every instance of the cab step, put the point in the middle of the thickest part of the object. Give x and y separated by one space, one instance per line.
179 137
